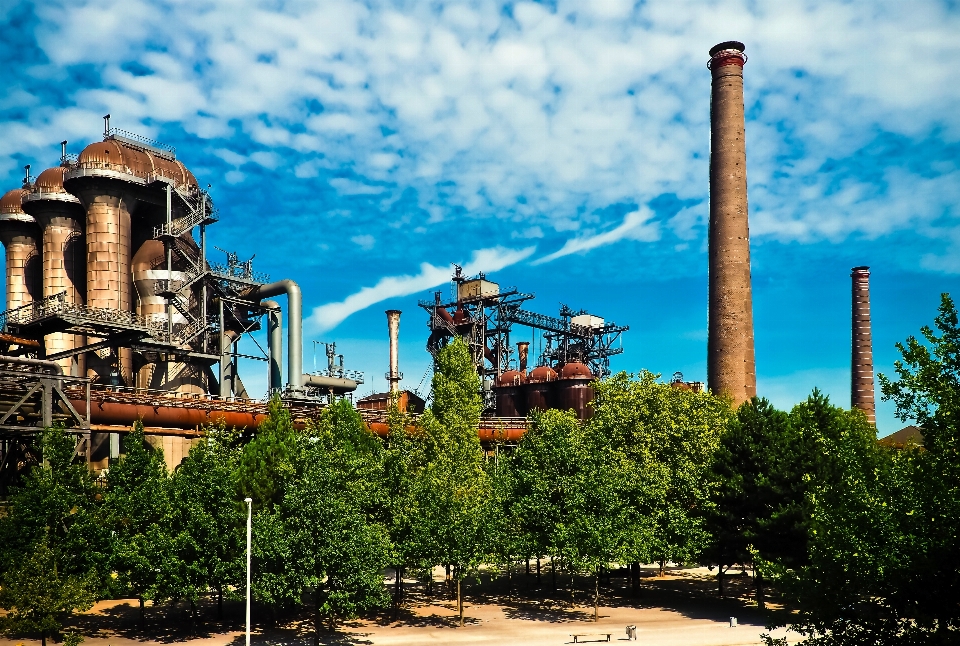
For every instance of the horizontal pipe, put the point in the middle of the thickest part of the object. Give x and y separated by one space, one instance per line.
339 385
166 416
36 363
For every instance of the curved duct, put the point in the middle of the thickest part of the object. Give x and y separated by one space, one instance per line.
294 325
35 363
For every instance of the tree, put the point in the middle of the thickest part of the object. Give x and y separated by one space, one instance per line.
884 524
138 501
58 503
38 597
208 521
454 487
334 508
663 440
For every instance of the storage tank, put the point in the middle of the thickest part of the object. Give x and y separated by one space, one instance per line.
61 218
510 397
21 239
574 390
113 179
539 388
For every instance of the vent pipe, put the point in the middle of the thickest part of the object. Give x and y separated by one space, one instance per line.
861 364
730 351
394 376
523 351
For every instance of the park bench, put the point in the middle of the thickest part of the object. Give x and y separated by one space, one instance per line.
600 637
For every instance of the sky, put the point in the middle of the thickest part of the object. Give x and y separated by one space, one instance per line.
360 148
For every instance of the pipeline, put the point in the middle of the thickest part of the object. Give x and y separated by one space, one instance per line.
294 325
36 363
274 344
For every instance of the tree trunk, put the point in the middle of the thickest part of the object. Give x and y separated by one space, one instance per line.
141 613
460 602
220 602
538 571
43 639
193 616
397 591
635 576
758 579
663 563
596 596
528 566
720 579
553 569
317 619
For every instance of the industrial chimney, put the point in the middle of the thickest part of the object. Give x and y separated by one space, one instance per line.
861 364
394 376
731 363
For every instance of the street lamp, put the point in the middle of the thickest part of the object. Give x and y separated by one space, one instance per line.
249 502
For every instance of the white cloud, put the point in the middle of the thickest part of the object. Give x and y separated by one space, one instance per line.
636 225
576 109
331 315
364 241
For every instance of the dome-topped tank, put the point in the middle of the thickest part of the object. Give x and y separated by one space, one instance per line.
20 235
542 374
511 378
574 390
49 186
539 388
113 158
511 401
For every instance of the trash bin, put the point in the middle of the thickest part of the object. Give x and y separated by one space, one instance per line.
631 632
733 622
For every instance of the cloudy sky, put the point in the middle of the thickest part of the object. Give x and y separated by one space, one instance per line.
361 147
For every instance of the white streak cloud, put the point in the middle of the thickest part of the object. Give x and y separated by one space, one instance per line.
636 225
329 316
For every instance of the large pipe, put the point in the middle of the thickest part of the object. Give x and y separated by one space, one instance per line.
523 351
731 361
337 385
294 325
393 323
274 344
53 366
861 363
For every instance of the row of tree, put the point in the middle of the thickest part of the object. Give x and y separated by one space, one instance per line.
861 539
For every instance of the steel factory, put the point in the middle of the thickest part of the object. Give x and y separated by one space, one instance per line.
117 313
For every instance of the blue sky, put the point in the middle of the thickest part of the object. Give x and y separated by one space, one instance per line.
361 147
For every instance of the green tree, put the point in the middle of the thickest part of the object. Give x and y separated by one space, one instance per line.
138 501
454 488
334 516
58 503
208 522
38 598
664 439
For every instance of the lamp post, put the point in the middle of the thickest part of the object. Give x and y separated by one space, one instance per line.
249 502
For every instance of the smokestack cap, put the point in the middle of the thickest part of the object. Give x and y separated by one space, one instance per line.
730 44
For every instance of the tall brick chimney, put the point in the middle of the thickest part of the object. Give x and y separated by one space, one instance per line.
731 364
861 362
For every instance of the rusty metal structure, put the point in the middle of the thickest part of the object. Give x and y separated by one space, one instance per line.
862 394
576 347
731 362
115 312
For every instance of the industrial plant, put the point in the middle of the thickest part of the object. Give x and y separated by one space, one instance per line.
116 312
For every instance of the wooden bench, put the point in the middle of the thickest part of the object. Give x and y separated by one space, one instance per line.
598 636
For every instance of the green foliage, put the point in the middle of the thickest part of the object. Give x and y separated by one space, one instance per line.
59 504
141 514
661 440
208 522
884 524
335 506
38 598
267 461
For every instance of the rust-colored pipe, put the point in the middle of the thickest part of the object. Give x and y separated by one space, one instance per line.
117 413
523 351
861 364
731 364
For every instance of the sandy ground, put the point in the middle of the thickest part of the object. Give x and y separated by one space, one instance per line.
680 608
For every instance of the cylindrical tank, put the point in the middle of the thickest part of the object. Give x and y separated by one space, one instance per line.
539 388
109 177
510 398
61 217
575 390
21 238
